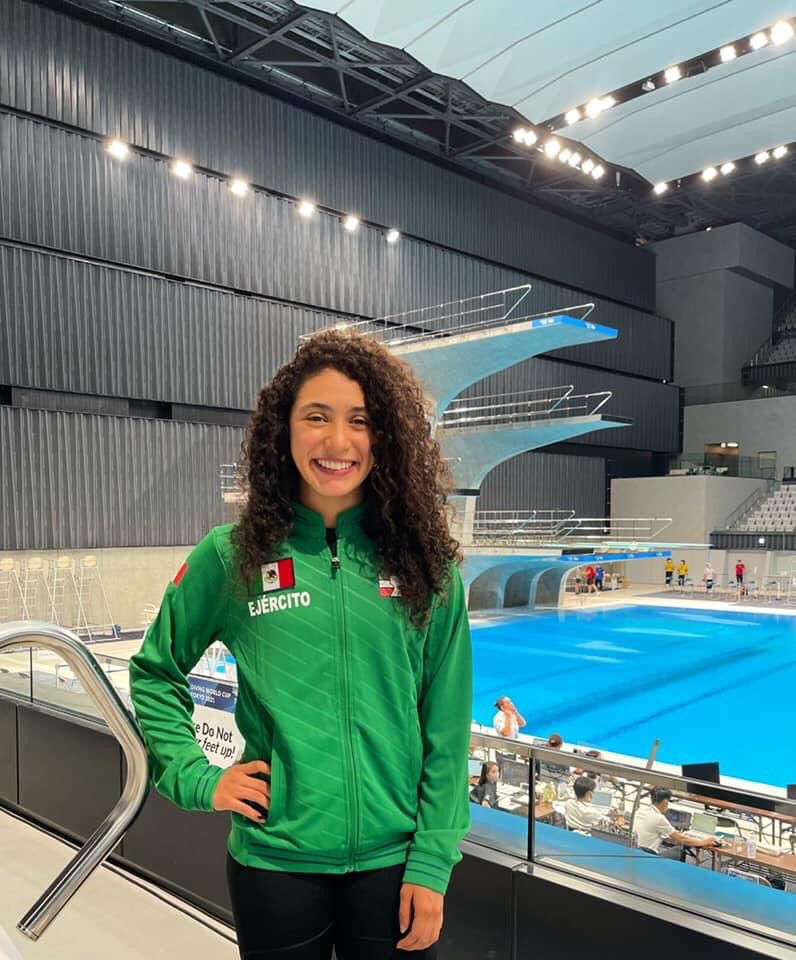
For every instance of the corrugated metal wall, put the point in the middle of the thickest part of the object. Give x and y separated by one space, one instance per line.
65 193
546 481
654 407
60 68
209 294
76 480
71 325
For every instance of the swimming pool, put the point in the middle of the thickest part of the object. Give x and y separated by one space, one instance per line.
710 684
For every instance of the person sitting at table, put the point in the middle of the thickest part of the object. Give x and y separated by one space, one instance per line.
598 778
652 828
484 792
579 812
547 770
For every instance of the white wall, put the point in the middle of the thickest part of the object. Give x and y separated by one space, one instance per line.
132 577
697 505
755 424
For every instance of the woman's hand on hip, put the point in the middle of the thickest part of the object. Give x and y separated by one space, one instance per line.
238 788
423 909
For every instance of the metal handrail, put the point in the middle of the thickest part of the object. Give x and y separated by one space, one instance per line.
102 841
518 407
746 505
539 527
440 320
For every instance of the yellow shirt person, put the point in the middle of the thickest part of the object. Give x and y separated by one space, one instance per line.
682 572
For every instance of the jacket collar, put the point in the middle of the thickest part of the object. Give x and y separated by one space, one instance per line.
311 525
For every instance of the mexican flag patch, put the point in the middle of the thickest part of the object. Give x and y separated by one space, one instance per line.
389 588
278 575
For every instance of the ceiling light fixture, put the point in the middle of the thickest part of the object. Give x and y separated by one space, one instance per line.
728 53
393 235
758 41
575 159
660 188
572 116
118 149
672 74
781 32
238 187
709 173
351 223
565 154
761 157
587 166
648 86
519 135
598 171
181 169
608 102
779 152
306 209
594 107
552 147
727 168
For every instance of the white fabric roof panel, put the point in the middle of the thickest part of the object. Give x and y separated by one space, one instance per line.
545 56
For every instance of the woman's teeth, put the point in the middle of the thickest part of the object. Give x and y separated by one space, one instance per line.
335 464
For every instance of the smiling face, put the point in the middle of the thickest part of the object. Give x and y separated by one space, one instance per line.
330 442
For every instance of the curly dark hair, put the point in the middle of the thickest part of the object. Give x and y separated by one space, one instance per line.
406 491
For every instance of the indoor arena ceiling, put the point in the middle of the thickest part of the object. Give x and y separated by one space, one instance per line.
457 80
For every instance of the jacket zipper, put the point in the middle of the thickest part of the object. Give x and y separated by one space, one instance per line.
351 781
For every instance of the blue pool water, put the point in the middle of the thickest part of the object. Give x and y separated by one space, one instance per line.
709 685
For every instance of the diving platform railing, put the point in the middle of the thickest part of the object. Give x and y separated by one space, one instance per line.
513 528
544 403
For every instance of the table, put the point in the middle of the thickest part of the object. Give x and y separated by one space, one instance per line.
778 820
736 850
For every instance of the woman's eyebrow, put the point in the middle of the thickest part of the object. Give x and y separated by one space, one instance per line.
325 406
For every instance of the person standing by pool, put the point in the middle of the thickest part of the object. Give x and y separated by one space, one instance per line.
682 572
740 571
599 576
707 576
339 594
668 569
508 719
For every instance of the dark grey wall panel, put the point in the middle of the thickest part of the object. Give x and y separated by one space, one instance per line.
653 407
546 481
195 870
57 762
78 481
67 324
73 326
60 68
9 784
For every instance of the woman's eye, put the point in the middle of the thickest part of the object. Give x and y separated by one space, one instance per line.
359 422
315 418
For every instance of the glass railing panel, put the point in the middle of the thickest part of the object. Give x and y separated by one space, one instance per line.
16 672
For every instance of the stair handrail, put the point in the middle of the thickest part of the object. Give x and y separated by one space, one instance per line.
747 504
48 636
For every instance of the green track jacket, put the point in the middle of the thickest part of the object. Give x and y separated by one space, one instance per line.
364 718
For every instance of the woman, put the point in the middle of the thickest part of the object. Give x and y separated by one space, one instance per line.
485 791
338 593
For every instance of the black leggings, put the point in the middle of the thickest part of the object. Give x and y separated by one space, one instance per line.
301 916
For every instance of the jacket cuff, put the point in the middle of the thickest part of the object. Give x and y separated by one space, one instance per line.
427 870
205 787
